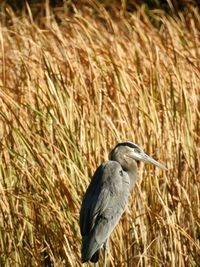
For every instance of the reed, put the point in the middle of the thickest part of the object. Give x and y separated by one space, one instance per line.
69 92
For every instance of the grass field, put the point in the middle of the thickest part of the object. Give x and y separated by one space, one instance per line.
69 91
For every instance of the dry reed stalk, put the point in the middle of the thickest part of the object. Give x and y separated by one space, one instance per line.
68 93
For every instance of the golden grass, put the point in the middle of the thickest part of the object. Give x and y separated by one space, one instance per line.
69 93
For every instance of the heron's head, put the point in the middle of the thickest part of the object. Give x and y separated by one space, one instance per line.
129 150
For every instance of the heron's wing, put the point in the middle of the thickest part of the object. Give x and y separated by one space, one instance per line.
95 200
103 204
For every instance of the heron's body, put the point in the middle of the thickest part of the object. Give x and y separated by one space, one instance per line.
106 198
104 202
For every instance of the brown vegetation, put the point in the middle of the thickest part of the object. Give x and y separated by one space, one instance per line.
71 91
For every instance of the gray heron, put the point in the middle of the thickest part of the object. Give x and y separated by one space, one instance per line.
106 197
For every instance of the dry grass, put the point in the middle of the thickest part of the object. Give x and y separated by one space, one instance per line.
69 93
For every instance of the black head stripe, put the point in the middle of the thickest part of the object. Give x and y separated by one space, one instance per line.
130 144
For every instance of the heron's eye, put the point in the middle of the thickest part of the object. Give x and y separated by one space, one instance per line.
121 173
137 150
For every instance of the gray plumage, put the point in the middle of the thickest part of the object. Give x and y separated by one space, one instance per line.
107 196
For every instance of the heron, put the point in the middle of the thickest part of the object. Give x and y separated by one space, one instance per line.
106 198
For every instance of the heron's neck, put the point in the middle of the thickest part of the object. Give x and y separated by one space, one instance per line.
130 167
133 177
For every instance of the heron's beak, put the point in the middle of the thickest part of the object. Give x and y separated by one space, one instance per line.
149 159
144 157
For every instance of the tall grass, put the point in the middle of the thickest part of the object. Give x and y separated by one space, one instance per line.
69 93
